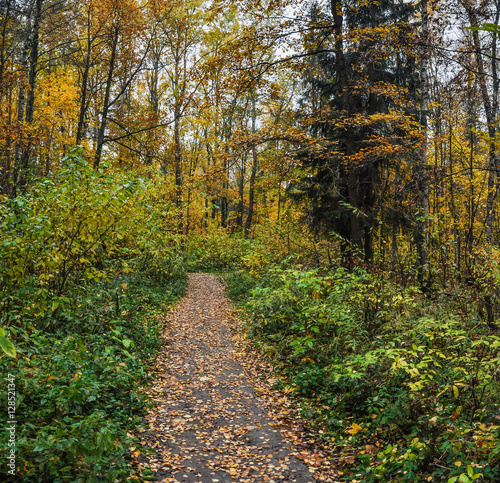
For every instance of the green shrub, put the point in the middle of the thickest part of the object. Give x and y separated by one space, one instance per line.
74 230
80 393
239 284
217 251
88 261
396 381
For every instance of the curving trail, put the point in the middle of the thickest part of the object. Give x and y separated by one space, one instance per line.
212 423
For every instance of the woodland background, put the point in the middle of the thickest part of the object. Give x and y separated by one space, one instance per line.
338 161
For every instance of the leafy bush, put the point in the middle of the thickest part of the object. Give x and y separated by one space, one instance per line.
74 230
287 244
399 383
87 262
273 245
80 393
216 251
239 284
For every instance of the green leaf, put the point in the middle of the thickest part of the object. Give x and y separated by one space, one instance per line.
464 478
486 27
490 27
7 346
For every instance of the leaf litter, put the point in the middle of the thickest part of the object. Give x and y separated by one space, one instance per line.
217 417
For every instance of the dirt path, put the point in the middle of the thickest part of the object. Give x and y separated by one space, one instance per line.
213 423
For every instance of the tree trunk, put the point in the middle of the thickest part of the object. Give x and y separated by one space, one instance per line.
5 21
453 209
154 104
253 174
241 193
7 179
30 101
336 7
105 108
178 165
224 204
251 194
352 251
356 233
6 183
422 215
490 109
84 84
395 221
189 190
30 98
21 105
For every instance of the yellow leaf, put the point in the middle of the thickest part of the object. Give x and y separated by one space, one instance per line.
355 429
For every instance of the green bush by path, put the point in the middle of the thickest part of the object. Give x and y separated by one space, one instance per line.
88 263
405 388
239 284
284 244
216 251
78 228
80 393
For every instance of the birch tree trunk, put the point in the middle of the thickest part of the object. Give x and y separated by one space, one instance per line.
422 215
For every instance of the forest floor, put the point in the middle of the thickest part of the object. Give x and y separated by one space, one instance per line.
218 418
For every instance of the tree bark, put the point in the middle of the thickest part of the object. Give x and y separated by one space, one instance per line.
30 98
241 193
84 84
21 106
5 16
6 179
422 215
490 108
355 237
453 209
253 174
105 108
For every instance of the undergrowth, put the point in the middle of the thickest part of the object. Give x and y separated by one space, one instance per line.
89 262
405 388
80 388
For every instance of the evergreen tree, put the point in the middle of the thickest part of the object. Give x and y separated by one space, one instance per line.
356 94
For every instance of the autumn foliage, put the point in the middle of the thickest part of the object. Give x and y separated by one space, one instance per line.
339 158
